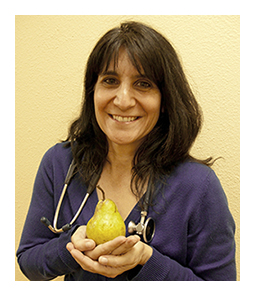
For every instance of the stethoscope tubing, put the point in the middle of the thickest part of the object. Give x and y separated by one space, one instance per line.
141 228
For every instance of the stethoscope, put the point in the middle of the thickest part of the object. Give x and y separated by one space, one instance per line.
145 228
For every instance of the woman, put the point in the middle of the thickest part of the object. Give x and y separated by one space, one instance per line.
138 122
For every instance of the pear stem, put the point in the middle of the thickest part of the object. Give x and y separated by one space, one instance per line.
101 191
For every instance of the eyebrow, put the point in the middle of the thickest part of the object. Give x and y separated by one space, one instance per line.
114 73
109 73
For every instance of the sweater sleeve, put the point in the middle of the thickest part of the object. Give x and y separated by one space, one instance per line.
210 245
42 255
162 268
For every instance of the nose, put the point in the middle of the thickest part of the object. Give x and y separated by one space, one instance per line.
124 98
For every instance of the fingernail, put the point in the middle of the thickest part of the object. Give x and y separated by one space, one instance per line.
103 260
89 244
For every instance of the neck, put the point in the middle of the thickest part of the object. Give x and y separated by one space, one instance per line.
116 177
121 154
120 159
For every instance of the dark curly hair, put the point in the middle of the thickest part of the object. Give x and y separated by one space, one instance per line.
179 123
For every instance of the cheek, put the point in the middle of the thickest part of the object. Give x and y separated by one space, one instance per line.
97 107
154 113
154 108
99 102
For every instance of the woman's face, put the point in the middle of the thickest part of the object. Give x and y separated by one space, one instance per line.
127 105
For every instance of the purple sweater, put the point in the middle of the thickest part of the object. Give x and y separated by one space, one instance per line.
194 238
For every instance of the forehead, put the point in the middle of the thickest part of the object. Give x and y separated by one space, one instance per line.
116 57
123 64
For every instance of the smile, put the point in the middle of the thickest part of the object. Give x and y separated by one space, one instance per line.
124 118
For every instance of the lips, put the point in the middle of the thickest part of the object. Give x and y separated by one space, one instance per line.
124 118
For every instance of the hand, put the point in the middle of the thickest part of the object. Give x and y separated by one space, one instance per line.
109 259
87 246
80 242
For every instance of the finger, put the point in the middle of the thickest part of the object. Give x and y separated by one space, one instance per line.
93 266
85 245
116 261
106 248
85 262
139 254
80 258
80 232
80 241
70 247
125 247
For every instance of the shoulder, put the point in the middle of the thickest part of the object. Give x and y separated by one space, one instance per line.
57 155
192 173
59 150
195 190
195 183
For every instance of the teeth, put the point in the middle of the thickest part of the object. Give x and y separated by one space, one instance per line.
124 119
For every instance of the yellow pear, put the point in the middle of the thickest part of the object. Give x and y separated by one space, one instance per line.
106 223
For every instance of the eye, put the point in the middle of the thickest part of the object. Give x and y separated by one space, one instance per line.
110 81
143 84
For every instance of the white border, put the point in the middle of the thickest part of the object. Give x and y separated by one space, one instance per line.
107 7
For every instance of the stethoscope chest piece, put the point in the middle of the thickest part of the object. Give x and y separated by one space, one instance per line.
146 230
149 230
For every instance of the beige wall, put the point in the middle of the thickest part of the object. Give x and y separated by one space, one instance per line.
51 52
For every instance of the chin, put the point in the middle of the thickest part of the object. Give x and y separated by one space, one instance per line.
125 141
